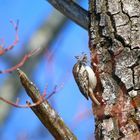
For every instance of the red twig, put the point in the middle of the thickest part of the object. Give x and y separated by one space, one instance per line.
24 59
56 89
4 50
28 104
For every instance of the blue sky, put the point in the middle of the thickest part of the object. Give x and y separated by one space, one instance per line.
68 102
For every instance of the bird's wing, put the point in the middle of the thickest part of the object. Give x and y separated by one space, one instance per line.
81 78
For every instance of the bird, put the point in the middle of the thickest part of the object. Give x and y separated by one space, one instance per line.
85 78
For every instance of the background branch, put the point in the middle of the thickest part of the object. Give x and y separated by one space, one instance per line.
72 10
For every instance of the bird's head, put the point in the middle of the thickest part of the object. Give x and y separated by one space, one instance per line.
82 59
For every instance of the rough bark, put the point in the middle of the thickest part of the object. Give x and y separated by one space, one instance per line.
114 32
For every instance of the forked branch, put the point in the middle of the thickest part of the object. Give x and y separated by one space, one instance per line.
21 63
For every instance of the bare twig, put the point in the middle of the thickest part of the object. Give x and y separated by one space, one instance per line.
45 112
21 63
4 50
72 11
28 104
56 89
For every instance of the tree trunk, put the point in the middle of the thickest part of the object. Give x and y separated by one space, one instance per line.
114 32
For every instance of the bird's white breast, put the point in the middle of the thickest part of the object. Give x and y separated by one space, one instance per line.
92 77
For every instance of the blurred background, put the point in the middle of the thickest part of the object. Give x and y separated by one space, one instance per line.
60 39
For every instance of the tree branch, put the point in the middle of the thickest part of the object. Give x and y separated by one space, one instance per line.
72 11
45 112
